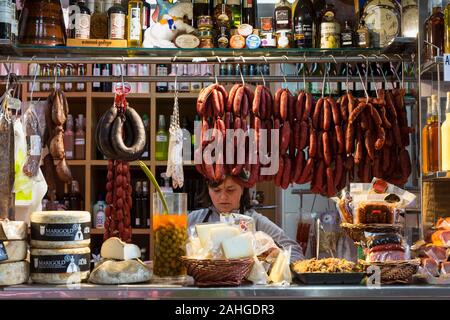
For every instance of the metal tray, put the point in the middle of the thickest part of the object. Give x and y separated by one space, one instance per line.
330 278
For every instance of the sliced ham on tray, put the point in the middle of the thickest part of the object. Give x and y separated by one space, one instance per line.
443 224
431 266
441 238
437 253
445 268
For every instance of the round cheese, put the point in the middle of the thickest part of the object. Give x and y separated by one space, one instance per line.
59 266
60 229
14 273
16 251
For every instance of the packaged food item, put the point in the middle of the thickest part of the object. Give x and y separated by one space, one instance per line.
204 22
187 41
206 39
383 247
266 24
281 272
258 274
253 41
430 266
245 30
267 40
374 212
328 265
237 42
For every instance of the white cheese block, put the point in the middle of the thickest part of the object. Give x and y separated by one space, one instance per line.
280 270
60 229
16 251
203 231
116 249
120 272
219 234
14 273
59 266
13 230
239 247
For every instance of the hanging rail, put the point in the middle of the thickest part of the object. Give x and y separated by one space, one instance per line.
213 59
190 79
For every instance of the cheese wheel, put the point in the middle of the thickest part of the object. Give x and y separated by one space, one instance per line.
59 266
14 273
13 230
60 229
16 251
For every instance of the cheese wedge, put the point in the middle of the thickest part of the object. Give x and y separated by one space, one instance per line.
204 229
116 249
13 230
241 246
220 234
16 251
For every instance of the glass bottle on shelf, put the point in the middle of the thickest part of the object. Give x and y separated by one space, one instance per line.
116 21
200 8
80 139
134 32
82 21
106 72
146 16
222 15
68 71
81 71
363 36
235 7
304 24
347 36
46 71
434 33
447 28
162 140
14 21
445 137
100 218
75 199
96 72
5 20
99 22
146 121
430 145
71 22
137 206
330 30
283 16
249 12
69 138
57 69
162 70
145 216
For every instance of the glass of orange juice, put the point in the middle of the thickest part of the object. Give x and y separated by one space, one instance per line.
170 234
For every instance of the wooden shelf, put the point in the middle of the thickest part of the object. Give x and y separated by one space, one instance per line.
181 95
77 162
44 94
129 96
134 231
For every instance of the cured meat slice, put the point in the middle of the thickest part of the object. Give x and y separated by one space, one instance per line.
443 224
436 253
445 268
382 256
431 266
441 238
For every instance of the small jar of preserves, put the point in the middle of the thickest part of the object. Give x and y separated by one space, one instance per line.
206 39
204 22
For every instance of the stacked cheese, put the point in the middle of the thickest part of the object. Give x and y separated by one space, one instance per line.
229 240
60 251
14 270
121 264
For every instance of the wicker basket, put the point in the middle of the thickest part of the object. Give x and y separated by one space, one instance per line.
395 271
210 273
356 231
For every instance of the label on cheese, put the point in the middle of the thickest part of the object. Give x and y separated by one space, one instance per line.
3 254
60 231
68 263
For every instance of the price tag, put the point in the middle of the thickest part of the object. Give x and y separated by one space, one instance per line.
446 67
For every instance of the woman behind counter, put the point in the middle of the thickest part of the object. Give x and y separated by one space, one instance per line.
229 196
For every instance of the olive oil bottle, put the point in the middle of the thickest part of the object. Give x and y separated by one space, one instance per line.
134 26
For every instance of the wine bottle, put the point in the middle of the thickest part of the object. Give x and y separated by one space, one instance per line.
249 12
304 25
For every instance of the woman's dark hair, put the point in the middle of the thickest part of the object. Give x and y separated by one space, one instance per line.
205 200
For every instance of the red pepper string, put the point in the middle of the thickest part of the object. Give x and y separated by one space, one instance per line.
121 102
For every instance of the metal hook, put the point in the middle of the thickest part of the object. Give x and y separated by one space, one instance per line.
215 73
364 84
262 73
324 77
346 73
283 74
8 68
392 67
304 72
121 74
240 71
403 71
56 74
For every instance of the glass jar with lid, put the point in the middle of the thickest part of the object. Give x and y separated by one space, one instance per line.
329 29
